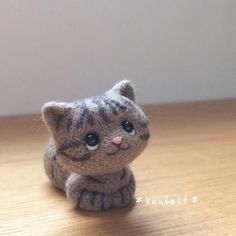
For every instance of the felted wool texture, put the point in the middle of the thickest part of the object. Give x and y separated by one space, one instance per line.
95 180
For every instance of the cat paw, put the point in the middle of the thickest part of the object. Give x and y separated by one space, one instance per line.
77 190
96 201
123 196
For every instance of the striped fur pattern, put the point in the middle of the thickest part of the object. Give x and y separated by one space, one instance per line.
95 178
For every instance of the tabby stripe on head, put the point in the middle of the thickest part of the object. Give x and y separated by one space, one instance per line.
103 115
108 103
101 110
85 115
122 107
69 123
90 118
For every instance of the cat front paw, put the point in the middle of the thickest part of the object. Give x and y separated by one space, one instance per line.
97 201
93 201
123 196
86 199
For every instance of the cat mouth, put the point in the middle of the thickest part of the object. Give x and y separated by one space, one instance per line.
118 150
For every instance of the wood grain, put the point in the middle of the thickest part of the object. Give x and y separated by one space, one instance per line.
192 152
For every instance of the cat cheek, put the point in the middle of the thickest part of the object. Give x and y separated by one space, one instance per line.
144 137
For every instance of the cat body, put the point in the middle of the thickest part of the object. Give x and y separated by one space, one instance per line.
92 142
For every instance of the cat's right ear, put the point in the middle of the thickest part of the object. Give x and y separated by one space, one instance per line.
53 114
124 88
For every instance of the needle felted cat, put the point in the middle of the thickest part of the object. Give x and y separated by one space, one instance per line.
92 142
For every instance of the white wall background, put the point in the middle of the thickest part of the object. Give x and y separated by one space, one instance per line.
174 50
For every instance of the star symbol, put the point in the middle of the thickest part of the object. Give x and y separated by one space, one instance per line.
139 199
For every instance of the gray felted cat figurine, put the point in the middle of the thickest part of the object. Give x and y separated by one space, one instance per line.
93 141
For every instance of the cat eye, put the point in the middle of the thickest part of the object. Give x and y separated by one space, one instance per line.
128 127
92 141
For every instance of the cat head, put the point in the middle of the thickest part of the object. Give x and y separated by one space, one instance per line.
98 135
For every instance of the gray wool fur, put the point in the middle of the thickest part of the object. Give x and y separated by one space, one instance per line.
92 142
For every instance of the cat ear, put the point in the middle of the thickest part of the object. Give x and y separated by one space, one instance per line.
53 113
124 88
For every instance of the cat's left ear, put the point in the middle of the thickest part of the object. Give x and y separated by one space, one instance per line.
124 88
53 114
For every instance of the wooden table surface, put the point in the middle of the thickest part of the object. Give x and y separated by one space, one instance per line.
186 178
